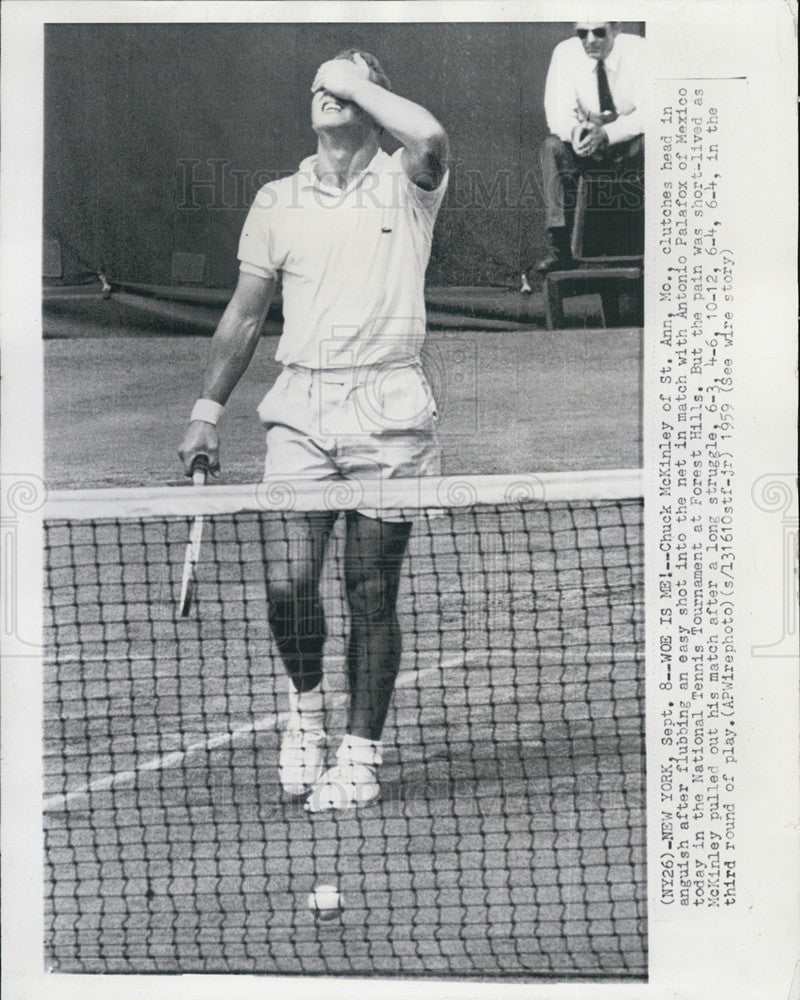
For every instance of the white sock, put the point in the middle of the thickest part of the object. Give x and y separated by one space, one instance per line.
357 750
307 707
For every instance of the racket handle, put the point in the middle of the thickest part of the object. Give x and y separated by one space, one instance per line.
200 470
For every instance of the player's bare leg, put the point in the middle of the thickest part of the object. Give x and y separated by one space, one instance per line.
374 553
294 547
373 559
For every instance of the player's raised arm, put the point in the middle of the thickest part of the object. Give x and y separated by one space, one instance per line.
423 138
232 349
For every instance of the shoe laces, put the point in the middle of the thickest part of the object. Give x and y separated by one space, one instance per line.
349 772
296 738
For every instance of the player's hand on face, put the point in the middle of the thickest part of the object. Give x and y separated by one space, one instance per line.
201 438
341 77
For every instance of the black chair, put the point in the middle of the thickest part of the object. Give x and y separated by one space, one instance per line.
608 244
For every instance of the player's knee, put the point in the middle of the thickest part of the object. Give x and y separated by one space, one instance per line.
368 599
286 583
293 607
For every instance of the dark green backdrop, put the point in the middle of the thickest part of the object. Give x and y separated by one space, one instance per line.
138 116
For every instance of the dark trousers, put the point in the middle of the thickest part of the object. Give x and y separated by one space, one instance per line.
561 169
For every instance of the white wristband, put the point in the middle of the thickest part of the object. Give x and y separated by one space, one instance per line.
208 410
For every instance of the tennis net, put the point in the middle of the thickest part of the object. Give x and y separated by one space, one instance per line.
509 839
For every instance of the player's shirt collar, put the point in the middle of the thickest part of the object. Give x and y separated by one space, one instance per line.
307 171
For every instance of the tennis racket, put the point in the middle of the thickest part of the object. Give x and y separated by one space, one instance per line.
189 579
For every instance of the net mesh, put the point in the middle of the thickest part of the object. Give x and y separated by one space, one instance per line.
509 839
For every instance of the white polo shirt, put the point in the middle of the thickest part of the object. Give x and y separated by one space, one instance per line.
352 263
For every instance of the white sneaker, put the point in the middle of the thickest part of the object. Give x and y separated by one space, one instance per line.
302 758
347 785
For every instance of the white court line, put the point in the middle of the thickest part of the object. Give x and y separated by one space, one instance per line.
266 723
176 757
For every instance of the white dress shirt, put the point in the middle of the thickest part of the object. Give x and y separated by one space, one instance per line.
571 88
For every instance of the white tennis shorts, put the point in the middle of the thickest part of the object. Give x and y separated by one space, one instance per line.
376 422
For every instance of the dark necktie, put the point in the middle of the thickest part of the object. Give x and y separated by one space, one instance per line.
603 89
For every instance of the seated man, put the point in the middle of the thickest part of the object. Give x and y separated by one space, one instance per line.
593 103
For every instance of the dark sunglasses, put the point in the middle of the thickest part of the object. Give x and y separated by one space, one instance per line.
583 33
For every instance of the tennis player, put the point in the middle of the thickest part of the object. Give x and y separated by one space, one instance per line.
349 236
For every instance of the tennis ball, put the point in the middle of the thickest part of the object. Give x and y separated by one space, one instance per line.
325 902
